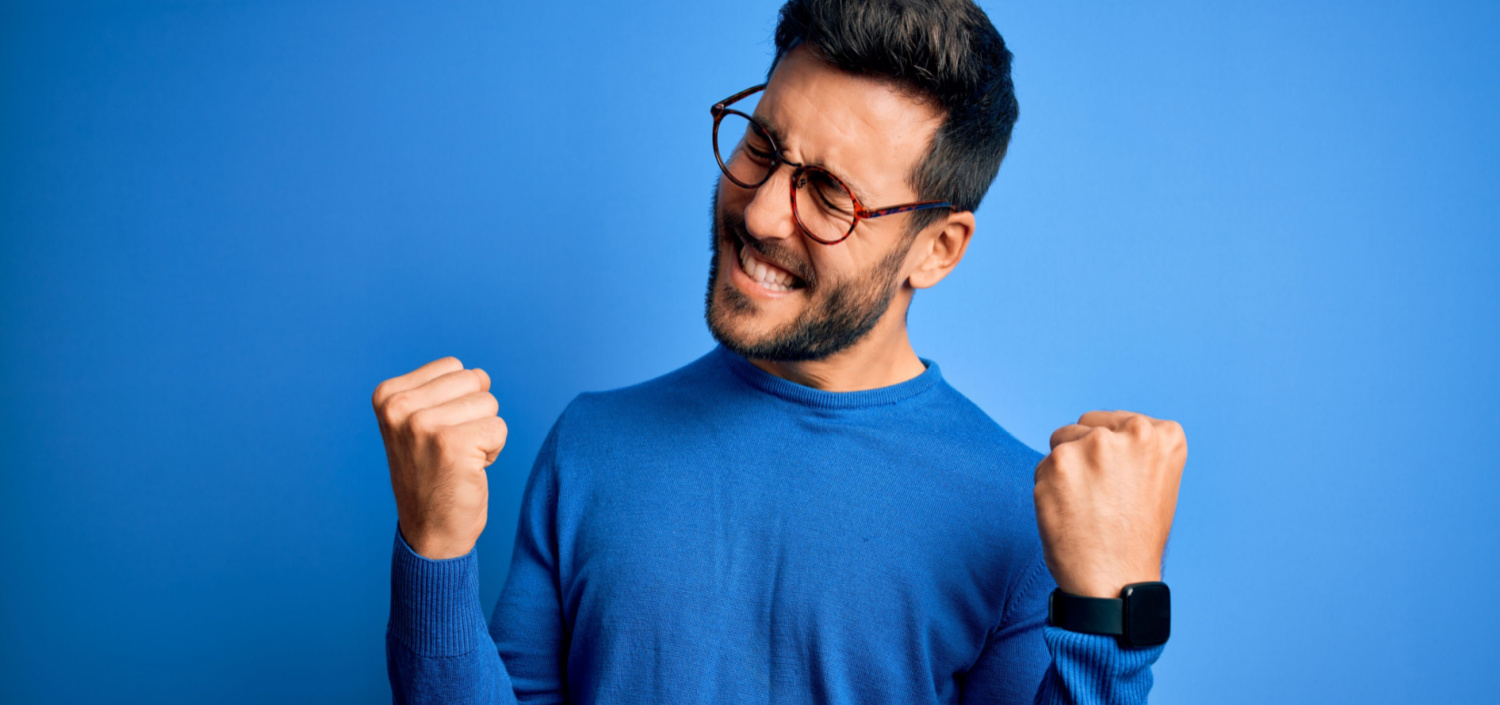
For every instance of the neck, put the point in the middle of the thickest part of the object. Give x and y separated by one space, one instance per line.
880 359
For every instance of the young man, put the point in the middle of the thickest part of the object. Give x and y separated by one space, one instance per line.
808 513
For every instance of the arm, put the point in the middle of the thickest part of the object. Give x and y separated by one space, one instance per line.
436 646
438 649
1027 660
1090 668
1105 497
441 431
527 627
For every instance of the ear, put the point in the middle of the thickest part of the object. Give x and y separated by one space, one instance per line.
942 248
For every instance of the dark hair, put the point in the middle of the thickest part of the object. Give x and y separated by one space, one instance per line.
945 50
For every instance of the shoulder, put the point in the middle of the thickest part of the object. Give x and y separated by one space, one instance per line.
953 415
995 474
974 455
683 394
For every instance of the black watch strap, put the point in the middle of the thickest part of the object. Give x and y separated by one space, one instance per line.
1140 616
1091 615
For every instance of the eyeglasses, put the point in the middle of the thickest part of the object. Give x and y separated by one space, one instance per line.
830 210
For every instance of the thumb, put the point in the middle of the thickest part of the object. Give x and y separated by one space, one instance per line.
487 436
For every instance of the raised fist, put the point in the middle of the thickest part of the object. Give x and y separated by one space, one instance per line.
1105 497
441 431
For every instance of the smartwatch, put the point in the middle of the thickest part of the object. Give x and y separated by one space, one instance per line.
1140 616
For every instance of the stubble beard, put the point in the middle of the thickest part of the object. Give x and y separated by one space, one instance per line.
840 314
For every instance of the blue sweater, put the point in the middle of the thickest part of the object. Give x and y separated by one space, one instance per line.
722 535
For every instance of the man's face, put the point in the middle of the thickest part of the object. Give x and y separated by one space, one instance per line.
775 294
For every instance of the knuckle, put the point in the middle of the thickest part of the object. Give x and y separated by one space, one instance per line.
450 441
1046 477
1043 467
381 392
398 404
444 443
1058 435
1097 417
1097 444
1095 437
420 423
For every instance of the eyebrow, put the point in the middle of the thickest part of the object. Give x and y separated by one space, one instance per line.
777 134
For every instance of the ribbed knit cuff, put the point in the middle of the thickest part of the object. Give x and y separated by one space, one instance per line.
1097 670
435 608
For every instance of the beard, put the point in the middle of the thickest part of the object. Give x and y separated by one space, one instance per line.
838 314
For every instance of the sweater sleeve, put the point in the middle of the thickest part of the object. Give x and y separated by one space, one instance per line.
1028 660
438 647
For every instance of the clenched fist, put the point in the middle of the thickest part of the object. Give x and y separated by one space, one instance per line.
1105 497
441 431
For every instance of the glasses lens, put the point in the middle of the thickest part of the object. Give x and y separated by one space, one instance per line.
823 206
744 150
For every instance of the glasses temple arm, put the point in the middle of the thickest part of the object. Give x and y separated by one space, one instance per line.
731 99
908 207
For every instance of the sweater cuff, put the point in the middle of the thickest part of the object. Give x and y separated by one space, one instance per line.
435 608
1100 665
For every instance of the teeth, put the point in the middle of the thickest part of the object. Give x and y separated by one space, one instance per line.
767 276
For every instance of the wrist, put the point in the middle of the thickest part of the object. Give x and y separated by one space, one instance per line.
1103 587
1103 580
1141 615
435 608
433 545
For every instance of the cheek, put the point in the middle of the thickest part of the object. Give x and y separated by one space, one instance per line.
835 263
732 197
863 252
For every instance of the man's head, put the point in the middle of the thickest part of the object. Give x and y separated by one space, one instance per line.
905 100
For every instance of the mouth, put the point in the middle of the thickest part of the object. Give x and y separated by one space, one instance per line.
763 273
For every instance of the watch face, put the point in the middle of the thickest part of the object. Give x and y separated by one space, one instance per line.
1148 614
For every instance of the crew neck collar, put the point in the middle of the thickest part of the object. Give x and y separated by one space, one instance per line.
808 396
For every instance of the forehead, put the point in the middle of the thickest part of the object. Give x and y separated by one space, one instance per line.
869 131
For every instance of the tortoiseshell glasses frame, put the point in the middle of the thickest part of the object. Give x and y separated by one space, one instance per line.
800 173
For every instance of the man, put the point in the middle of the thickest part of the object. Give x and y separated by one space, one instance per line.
808 513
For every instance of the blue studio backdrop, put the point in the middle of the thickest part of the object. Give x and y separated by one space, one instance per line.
222 223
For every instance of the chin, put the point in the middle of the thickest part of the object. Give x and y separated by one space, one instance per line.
761 310
735 319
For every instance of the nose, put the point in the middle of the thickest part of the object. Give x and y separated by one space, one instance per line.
769 214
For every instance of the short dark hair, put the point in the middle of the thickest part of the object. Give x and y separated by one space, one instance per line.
945 50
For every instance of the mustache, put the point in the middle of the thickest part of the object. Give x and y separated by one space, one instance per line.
732 225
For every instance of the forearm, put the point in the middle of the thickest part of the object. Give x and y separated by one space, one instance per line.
1092 669
438 647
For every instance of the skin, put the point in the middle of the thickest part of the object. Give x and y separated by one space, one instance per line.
1106 494
872 135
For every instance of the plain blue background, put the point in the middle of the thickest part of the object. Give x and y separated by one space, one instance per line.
224 223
